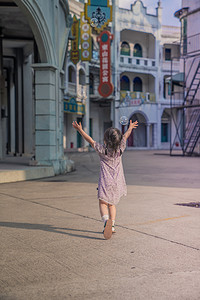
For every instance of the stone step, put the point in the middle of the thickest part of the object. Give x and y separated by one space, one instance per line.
22 174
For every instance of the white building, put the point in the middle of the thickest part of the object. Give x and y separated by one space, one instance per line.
144 49
142 52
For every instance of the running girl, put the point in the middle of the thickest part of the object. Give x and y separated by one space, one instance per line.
112 185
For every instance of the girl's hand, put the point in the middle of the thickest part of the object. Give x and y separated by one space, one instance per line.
77 126
133 125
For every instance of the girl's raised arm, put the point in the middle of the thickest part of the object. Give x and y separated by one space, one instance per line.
79 128
132 125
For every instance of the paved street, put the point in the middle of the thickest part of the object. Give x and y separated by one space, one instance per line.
51 242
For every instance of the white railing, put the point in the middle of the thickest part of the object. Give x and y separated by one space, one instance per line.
137 61
71 88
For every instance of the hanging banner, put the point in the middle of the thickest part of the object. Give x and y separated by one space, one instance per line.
74 53
98 13
105 88
86 41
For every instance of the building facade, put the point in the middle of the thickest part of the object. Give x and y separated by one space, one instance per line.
33 45
188 128
81 86
142 51
143 63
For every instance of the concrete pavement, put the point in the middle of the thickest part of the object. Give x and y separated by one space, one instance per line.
51 245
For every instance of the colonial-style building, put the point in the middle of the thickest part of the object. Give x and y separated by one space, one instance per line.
144 50
33 45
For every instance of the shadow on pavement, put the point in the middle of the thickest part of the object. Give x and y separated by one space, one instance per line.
50 228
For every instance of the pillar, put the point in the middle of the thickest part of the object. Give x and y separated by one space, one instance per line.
48 118
148 132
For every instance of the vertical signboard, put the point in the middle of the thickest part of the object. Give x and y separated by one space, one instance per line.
105 88
85 35
74 54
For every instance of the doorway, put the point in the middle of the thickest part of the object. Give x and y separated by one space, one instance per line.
138 138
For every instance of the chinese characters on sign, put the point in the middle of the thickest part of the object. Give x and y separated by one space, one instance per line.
105 88
85 39
71 106
74 54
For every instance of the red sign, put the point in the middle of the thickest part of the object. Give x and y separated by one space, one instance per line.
105 88
133 102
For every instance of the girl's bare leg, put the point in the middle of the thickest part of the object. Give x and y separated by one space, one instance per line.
112 211
103 207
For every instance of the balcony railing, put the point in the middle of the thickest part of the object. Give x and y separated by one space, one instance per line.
72 88
137 61
136 98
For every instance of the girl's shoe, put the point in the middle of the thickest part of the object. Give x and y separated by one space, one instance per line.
113 229
107 229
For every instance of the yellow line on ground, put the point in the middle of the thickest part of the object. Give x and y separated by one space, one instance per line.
161 220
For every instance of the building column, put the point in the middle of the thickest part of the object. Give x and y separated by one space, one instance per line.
148 132
48 116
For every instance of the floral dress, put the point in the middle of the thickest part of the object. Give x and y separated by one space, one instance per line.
112 185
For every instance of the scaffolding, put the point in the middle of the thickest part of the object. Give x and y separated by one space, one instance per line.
185 101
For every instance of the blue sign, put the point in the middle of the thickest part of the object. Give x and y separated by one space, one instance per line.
72 106
98 13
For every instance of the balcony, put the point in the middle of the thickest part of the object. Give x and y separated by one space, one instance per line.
72 89
140 62
136 98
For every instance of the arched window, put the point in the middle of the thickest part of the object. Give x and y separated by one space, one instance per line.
91 84
137 84
124 83
137 50
125 49
71 74
81 77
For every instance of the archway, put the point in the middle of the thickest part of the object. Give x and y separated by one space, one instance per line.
137 51
33 57
165 127
81 77
138 138
137 84
124 83
71 74
125 49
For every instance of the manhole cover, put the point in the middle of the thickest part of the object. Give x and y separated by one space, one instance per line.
191 204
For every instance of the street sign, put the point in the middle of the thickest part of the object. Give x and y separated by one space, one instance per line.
74 53
86 44
105 88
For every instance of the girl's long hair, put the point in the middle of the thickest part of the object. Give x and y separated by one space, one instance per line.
112 139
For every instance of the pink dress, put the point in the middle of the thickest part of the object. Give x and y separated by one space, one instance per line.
112 185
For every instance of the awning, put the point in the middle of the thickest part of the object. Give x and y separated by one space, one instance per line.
177 79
